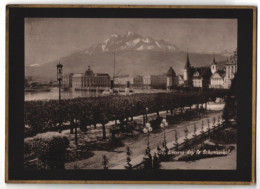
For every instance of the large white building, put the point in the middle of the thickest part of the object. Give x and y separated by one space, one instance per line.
89 79
133 80
223 72
217 75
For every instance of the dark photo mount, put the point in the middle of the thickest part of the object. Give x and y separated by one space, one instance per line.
245 92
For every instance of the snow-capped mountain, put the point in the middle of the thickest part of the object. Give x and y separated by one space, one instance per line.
133 53
130 41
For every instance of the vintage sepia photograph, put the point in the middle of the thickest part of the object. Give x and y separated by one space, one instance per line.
130 93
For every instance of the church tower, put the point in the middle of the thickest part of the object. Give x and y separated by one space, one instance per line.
170 78
187 69
213 66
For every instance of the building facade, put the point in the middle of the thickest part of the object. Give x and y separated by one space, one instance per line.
196 76
217 80
67 80
89 79
179 81
170 83
224 72
201 77
231 70
217 75
134 80
158 81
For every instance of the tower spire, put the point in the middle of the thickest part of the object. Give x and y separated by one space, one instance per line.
187 65
214 60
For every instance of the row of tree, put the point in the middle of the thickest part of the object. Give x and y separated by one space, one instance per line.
42 116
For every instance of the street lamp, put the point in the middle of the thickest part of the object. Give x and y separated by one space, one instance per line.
59 77
163 125
147 129
176 139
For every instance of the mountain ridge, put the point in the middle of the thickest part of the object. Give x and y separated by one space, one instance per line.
133 53
130 41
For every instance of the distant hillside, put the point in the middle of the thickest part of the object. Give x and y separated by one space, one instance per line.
133 54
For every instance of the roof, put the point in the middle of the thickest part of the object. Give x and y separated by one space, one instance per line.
89 72
221 73
231 62
102 74
180 76
78 75
68 75
204 72
221 65
213 61
171 72
122 76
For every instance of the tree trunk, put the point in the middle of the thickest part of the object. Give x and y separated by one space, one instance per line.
95 125
104 131
60 126
143 120
71 126
121 124
171 112
76 136
157 113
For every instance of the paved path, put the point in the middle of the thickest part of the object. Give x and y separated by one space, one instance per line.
117 157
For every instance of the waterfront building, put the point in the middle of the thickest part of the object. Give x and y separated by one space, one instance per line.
170 78
90 80
67 80
77 80
217 80
155 81
121 80
231 70
217 75
159 81
138 81
201 77
133 80
196 76
223 72
147 81
179 81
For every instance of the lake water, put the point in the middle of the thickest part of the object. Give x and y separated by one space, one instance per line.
54 94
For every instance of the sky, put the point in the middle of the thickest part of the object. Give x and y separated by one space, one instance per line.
49 39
